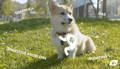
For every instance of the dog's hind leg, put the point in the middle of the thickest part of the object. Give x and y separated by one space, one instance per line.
83 47
72 53
90 46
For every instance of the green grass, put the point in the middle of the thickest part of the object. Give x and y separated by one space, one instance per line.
33 36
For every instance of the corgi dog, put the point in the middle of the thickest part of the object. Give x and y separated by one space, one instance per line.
63 23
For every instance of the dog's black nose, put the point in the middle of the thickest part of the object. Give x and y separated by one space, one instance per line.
70 19
62 23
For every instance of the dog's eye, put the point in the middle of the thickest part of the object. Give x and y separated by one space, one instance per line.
70 13
62 13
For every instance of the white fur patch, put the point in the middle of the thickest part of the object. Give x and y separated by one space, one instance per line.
70 39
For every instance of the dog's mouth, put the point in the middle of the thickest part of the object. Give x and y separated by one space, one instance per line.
64 23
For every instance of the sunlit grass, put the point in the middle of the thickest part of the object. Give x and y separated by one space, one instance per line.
33 36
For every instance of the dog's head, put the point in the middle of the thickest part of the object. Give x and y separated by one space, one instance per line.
62 14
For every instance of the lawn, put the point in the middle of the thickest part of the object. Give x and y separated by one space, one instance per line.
33 36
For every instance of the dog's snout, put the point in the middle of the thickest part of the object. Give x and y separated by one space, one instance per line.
70 19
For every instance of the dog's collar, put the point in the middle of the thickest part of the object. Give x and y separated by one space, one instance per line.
62 33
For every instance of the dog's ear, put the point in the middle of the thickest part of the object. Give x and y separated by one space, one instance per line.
52 5
71 4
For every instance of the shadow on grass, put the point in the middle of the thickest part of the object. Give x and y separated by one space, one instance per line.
25 25
43 64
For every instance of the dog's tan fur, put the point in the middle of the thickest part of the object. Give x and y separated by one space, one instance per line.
84 43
